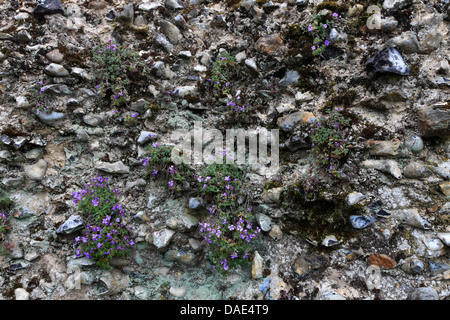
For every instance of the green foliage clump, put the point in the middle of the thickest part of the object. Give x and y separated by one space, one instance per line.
111 66
158 161
329 140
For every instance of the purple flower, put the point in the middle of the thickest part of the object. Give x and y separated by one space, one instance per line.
335 15
310 28
327 42
313 48
325 25
170 183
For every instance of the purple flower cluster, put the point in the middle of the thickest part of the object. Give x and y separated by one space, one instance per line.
106 239
232 238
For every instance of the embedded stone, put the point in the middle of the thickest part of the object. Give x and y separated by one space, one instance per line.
381 261
37 170
117 167
269 44
56 70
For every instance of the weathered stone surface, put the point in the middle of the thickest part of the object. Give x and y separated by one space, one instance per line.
72 224
257 266
56 70
289 122
171 31
37 170
269 44
162 238
415 170
433 122
117 167
388 166
55 56
383 148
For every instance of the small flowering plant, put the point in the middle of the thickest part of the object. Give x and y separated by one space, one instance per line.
40 99
158 162
97 199
111 64
318 26
230 234
104 241
4 224
308 185
238 110
219 178
131 118
219 81
107 236
329 140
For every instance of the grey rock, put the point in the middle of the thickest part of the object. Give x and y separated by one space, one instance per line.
425 293
219 21
23 36
406 42
195 203
307 264
72 224
178 292
80 262
117 167
433 244
248 4
147 136
337 37
184 91
171 31
56 70
50 118
389 60
330 241
161 40
21 294
388 166
55 56
80 73
82 135
37 170
412 218
415 170
127 14
361 222
161 70
291 77
264 222
148 6
445 238
433 121
251 64
161 238
185 54
173 4
257 266
412 265
414 143
187 258
389 24
34 154
22 102
443 169
354 198
94 120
